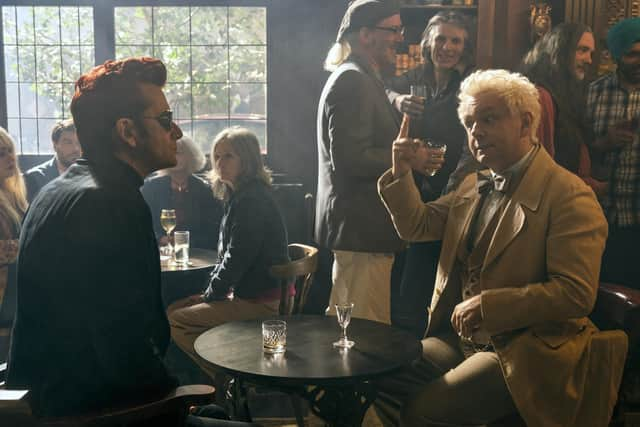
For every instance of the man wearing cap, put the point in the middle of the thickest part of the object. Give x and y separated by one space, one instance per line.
356 125
613 109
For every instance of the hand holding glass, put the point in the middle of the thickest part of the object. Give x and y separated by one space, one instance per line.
343 312
437 150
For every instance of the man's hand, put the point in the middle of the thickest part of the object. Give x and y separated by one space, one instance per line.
618 135
467 316
404 155
409 104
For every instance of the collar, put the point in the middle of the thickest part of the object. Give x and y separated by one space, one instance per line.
114 170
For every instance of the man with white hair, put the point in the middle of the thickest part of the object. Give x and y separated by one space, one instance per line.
518 274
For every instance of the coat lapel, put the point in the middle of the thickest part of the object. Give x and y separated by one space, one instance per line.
527 195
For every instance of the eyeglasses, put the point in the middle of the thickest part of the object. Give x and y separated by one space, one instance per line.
165 119
395 30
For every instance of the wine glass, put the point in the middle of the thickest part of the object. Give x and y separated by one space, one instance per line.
343 311
168 222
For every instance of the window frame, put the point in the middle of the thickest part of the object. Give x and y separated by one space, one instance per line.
104 35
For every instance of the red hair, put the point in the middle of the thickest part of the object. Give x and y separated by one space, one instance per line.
107 93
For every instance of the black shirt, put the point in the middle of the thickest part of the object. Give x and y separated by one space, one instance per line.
90 329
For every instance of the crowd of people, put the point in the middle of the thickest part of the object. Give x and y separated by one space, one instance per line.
498 242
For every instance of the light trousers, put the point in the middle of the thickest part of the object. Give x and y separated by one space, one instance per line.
363 278
189 321
445 389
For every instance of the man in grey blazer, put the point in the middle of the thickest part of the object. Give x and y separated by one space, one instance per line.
356 125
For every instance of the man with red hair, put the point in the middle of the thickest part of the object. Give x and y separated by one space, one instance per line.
90 329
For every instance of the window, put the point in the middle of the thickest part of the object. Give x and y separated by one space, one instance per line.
216 58
216 63
45 50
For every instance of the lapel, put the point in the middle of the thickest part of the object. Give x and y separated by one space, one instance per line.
527 195
461 214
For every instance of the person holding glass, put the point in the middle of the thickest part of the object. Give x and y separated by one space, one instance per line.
13 203
252 238
179 189
448 52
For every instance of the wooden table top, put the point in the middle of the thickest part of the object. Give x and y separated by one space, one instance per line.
310 357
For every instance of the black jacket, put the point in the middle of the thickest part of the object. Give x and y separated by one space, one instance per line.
38 176
90 329
252 238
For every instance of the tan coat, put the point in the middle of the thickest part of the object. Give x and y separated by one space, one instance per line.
539 281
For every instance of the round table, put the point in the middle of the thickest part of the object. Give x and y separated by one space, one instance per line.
340 389
182 281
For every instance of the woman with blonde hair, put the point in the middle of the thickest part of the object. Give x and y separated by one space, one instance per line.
252 238
13 204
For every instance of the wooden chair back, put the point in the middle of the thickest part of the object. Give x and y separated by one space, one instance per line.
303 264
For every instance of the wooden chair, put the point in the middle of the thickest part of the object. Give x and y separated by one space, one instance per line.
303 264
169 410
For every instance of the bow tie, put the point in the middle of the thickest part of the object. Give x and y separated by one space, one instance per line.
487 183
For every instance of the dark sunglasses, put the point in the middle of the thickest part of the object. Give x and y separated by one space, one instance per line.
165 119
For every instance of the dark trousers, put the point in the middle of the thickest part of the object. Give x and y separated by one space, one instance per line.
620 262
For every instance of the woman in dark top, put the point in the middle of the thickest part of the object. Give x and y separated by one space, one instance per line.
252 238
13 204
189 195
448 51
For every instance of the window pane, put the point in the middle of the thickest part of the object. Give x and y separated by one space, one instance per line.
258 127
9 25
179 98
49 100
204 131
27 100
70 63
14 130
11 63
49 62
176 59
47 25
25 25
133 25
13 106
247 25
86 25
248 63
29 136
27 63
127 51
88 58
44 137
208 25
210 100
69 22
67 95
248 99
171 25
209 64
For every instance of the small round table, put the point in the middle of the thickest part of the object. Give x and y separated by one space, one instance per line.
182 281
335 381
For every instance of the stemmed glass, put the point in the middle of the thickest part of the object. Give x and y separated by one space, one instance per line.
168 222
343 312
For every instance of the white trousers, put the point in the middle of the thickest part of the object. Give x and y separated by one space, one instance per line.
363 278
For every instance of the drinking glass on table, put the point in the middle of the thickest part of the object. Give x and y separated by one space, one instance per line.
168 221
343 312
181 248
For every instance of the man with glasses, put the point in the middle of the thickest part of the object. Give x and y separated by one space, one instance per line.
90 329
356 125
67 150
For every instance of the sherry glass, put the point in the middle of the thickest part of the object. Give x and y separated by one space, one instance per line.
168 222
343 312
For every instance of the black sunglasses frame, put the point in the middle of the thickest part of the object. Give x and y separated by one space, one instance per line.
165 119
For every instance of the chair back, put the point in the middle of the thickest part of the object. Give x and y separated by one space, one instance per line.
170 410
303 264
